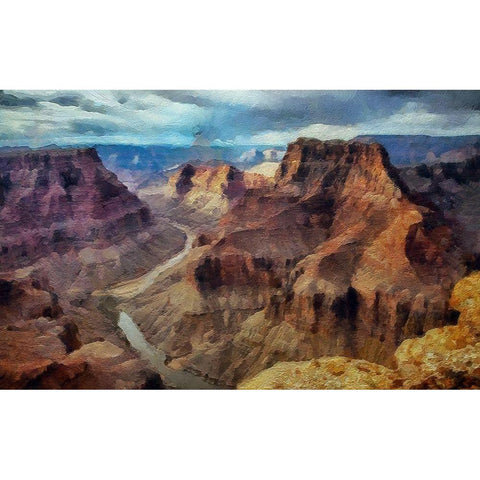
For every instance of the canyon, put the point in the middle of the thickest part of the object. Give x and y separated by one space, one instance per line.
336 256
212 276
68 228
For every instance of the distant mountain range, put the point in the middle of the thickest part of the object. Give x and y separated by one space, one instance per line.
161 157
403 150
414 149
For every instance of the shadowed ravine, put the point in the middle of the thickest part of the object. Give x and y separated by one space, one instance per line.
178 379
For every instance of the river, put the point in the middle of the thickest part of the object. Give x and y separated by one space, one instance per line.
178 379
136 286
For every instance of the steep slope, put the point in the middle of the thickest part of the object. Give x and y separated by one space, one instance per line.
444 358
336 258
200 195
454 189
68 227
46 198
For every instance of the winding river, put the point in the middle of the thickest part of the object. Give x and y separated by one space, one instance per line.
136 286
179 379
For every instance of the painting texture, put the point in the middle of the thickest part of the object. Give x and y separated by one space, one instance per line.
239 239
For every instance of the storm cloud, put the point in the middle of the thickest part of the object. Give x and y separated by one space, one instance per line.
250 117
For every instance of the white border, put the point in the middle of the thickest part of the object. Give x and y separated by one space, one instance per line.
248 44
239 435
251 44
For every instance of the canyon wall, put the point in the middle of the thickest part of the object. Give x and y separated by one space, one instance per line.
55 200
68 227
335 257
444 358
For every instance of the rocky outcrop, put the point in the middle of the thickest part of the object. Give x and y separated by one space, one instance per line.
212 190
56 200
25 299
447 357
336 258
328 373
444 358
222 180
41 346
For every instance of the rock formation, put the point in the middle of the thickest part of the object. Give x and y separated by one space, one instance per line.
212 190
199 195
55 200
327 373
444 358
447 357
454 189
336 257
68 226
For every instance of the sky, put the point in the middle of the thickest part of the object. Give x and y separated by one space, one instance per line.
229 117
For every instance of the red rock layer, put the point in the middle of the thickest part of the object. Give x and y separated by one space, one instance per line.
53 200
53 204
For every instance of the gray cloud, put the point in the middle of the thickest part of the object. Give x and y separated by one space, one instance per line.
8 100
67 100
248 117
451 100
90 106
92 127
184 97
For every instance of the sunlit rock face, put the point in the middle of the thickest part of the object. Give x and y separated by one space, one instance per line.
335 257
444 358
211 191
327 373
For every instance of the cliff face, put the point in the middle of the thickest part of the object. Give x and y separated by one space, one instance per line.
454 189
53 200
335 258
224 181
210 191
68 226
444 358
